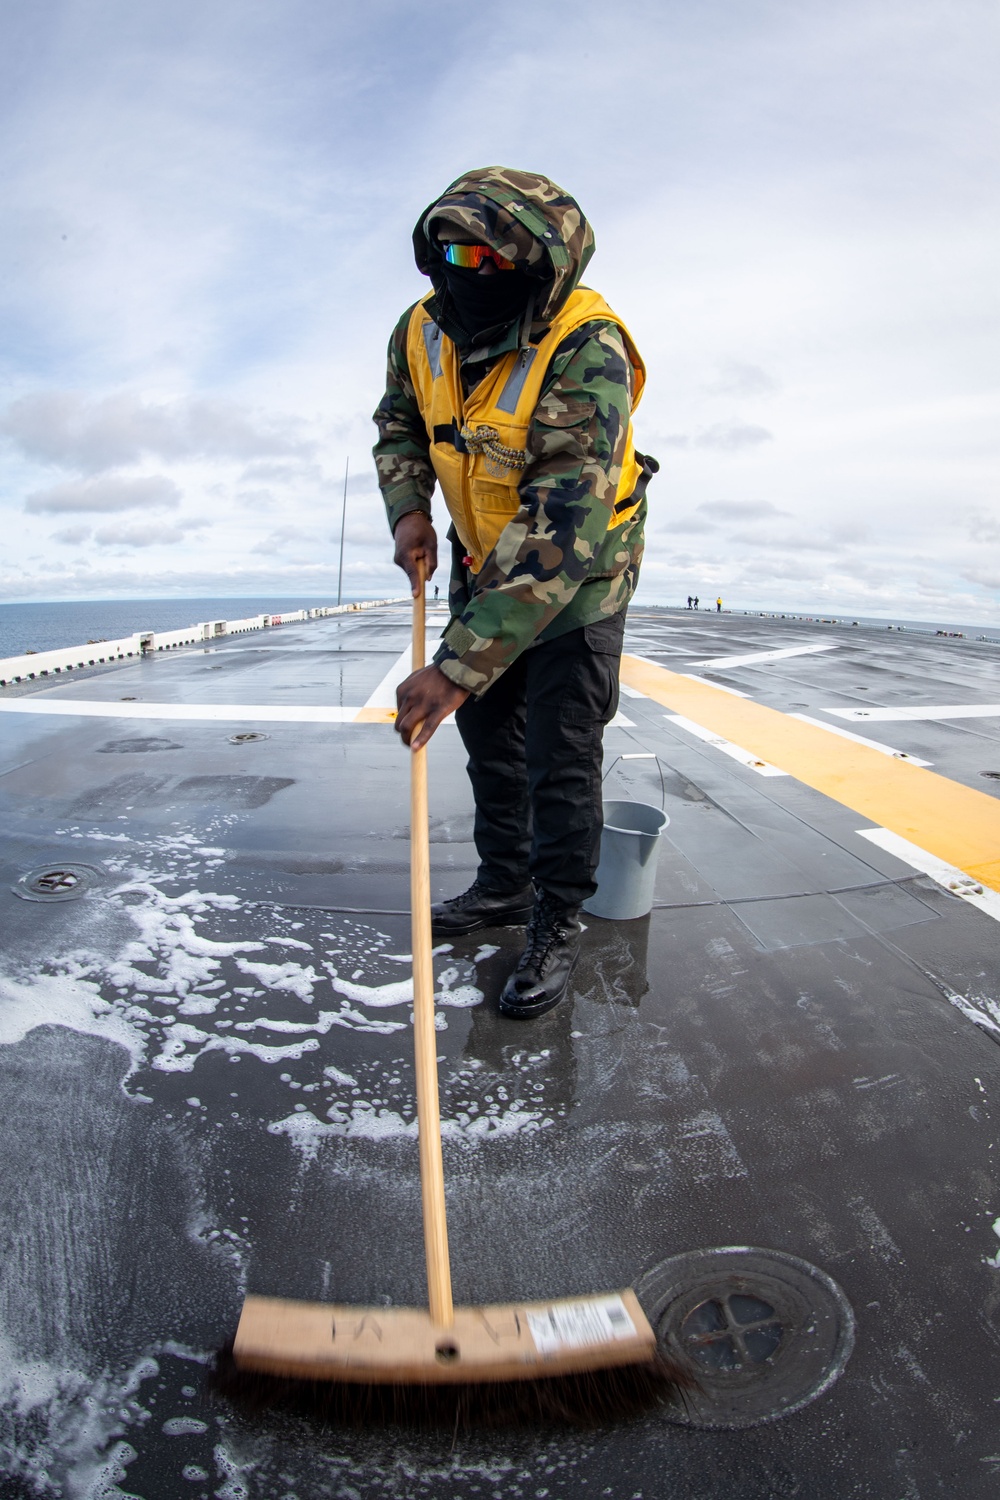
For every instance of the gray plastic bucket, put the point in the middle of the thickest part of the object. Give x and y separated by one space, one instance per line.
626 873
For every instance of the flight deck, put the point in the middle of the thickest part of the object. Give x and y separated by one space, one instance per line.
206 1077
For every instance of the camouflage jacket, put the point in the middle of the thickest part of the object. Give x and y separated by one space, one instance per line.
567 568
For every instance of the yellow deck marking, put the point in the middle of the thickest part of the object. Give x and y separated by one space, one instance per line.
952 821
375 715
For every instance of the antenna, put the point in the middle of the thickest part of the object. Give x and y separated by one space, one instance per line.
343 518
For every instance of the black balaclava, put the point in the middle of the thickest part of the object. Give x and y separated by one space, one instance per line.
485 302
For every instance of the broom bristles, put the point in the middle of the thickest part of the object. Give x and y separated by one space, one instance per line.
591 1398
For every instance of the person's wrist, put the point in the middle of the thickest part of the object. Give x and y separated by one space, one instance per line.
413 520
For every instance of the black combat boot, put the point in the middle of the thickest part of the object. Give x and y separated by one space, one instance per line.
541 978
480 907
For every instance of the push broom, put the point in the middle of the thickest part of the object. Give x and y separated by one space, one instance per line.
579 1359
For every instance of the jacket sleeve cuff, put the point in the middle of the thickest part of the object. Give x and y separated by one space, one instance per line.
458 674
400 500
468 660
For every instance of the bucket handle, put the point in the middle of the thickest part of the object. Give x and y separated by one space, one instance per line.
641 755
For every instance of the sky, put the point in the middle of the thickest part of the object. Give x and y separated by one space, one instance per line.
208 212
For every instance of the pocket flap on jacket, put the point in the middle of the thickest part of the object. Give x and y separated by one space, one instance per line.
560 411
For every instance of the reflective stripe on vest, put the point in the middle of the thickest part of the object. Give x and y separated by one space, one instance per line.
479 479
432 343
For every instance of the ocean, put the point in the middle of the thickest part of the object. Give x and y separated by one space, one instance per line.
48 627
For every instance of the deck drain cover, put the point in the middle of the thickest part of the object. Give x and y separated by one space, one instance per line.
56 882
247 737
991 775
764 1333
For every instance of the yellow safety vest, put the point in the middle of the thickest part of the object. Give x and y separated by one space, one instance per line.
477 441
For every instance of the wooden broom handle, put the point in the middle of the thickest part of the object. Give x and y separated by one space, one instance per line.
424 1034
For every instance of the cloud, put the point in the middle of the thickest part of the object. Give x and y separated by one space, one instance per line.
103 579
723 437
192 259
796 543
982 527
685 524
145 534
740 510
987 578
262 500
371 532
730 437
108 492
65 428
71 535
739 379
295 471
276 540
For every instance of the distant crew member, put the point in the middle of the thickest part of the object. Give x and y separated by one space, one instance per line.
513 388
696 601
718 605
689 601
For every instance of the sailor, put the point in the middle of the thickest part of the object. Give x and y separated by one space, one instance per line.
512 387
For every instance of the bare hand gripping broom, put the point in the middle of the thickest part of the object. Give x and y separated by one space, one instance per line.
576 1359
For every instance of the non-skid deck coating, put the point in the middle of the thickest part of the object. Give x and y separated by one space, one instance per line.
206 1082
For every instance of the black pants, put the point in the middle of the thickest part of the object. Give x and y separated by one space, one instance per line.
535 745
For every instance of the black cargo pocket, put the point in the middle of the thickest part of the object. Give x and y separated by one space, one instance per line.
606 636
604 639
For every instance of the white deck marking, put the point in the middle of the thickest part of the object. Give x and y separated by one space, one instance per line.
928 711
621 722
93 708
860 739
720 686
631 692
217 713
757 658
735 752
384 695
953 879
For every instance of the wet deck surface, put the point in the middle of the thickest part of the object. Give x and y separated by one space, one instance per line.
206 1082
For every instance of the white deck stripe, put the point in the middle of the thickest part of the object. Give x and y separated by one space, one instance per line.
735 752
949 876
384 696
227 713
930 711
860 739
755 658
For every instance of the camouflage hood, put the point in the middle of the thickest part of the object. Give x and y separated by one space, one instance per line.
525 217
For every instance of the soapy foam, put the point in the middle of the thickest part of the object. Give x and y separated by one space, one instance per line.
289 976
158 984
61 1429
306 1134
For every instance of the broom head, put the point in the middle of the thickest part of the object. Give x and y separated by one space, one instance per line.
401 1346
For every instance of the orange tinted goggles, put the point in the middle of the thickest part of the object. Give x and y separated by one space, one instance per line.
471 257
